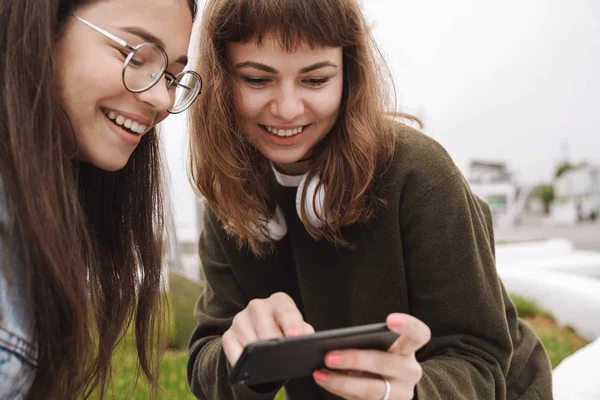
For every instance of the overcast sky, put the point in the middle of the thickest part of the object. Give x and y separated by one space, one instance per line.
516 81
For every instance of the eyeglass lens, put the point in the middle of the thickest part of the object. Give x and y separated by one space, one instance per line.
184 90
145 67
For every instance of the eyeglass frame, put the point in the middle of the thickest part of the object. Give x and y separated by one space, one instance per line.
132 50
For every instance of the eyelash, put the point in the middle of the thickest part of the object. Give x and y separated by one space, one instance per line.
133 61
260 82
255 82
317 81
137 63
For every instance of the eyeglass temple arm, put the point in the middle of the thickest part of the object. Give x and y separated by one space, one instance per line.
184 86
174 80
106 33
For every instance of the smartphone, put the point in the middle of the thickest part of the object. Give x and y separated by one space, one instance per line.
293 357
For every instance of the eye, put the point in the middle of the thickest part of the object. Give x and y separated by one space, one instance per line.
255 82
316 82
135 61
123 54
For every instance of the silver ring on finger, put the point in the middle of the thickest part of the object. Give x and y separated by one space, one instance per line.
388 389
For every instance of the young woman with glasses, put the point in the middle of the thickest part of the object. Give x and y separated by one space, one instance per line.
322 212
84 84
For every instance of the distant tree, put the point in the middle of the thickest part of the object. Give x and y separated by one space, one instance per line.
564 167
546 194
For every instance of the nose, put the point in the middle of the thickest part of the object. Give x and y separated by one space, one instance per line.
157 96
287 105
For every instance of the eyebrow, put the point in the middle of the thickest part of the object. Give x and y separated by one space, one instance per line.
148 37
318 65
271 70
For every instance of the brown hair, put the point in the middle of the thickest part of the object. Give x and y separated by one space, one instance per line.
90 241
236 181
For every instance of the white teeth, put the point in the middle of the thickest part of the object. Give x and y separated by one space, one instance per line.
284 132
128 123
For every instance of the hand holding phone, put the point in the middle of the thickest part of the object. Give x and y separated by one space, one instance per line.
381 374
292 357
263 319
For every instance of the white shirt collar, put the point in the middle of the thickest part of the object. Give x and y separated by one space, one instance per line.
287 180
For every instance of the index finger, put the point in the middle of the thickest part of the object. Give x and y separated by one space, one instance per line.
287 315
231 347
413 332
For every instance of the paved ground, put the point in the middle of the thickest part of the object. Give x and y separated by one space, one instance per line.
583 236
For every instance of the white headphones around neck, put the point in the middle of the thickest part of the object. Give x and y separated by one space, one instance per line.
314 208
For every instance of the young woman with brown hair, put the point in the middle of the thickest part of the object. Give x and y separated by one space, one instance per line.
323 212
84 84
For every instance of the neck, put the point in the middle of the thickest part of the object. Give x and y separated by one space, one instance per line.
296 168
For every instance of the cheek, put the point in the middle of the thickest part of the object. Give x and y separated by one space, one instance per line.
160 118
85 80
328 102
249 103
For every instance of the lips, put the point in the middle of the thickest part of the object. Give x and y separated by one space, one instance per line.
283 139
284 132
126 135
127 124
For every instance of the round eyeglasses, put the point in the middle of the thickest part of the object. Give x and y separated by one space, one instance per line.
145 66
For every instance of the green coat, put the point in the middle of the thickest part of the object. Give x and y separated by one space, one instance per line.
429 253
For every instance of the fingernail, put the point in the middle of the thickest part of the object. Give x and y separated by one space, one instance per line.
321 376
293 332
334 359
395 321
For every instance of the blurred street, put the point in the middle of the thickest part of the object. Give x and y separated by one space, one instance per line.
585 236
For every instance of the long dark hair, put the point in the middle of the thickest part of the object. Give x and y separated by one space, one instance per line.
91 241
229 172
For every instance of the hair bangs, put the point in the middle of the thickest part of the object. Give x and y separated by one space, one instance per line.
291 22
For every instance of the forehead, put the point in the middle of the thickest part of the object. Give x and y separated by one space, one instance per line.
271 52
168 20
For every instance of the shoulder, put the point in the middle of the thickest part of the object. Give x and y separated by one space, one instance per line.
420 164
420 155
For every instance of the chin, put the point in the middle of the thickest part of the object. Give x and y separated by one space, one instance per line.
107 163
287 156
112 167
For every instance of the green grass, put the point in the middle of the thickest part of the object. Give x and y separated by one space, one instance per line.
558 341
527 308
559 345
182 300
182 297
172 377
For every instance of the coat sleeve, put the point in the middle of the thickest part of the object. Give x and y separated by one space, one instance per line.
208 368
454 288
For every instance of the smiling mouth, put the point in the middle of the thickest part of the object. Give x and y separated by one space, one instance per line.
124 123
284 132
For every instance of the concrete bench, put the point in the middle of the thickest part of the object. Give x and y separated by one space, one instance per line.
550 254
578 376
